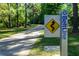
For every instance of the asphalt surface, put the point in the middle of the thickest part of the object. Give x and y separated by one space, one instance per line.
21 43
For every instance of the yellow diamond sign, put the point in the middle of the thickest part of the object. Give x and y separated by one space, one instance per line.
52 25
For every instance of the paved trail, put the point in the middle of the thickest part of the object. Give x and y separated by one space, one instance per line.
21 43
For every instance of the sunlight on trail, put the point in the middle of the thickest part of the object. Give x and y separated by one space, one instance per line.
19 44
22 36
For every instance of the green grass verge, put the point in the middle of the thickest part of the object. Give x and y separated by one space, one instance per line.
5 32
38 47
73 45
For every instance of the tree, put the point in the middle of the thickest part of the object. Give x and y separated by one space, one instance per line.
49 9
25 15
9 24
17 15
75 18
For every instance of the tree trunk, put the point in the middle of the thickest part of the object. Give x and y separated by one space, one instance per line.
25 15
75 18
9 24
17 15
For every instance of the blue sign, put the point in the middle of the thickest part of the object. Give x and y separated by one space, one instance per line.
64 20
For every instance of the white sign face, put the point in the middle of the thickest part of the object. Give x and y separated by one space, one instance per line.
52 25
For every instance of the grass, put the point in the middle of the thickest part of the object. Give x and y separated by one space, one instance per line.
6 32
38 47
73 46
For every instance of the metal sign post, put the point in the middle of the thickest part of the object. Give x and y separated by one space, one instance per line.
64 33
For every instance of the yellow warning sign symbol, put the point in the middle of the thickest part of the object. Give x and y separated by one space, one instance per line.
52 25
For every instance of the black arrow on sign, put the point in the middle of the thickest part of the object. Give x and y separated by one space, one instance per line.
52 25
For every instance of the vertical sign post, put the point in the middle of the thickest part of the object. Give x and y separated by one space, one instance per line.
64 32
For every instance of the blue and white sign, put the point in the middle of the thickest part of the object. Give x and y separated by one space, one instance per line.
64 33
64 23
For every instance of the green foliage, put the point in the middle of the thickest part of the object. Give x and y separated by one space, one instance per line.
34 12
